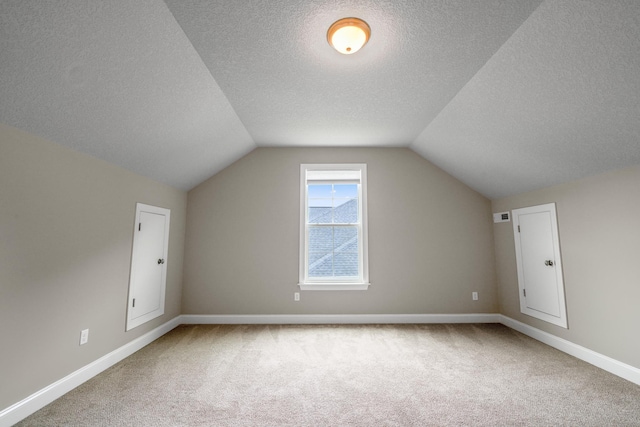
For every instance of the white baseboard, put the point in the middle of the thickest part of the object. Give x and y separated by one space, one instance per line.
41 398
309 319
616 367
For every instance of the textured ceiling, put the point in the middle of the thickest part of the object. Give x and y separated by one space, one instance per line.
506 96
273 62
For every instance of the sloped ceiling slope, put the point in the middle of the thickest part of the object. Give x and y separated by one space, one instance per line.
118 80
506 96
559 101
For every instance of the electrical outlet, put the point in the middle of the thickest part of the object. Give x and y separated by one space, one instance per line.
84 336
474 296
296 296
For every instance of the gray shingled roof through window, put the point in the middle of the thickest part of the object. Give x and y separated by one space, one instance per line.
333 251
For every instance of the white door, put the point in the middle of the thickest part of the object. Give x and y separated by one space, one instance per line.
539 264
148 265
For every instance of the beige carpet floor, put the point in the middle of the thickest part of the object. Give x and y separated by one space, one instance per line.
347 375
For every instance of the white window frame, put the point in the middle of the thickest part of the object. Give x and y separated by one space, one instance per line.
333 171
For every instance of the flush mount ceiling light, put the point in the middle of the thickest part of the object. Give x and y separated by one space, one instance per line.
348 35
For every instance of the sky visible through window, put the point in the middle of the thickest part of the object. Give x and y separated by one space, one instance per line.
333 249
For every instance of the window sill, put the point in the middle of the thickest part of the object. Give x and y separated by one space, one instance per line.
334 286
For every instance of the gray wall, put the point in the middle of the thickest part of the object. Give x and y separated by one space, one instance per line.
598 221
66 225
430 238
66 230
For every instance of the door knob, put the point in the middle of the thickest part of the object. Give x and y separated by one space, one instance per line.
160 261
549 263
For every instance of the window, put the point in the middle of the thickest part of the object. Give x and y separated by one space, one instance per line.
333 227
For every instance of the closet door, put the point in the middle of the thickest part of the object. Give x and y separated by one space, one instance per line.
539 263
147 282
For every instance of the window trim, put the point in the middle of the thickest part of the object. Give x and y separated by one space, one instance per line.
362 283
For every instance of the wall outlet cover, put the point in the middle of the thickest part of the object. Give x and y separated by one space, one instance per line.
84 336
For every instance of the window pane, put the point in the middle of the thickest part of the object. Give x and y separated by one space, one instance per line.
345 211
320 191
320 215
320 239
320 264
345 239
345 264
320 211
348 191
320 202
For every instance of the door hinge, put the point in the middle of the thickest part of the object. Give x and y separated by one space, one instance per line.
139 226
524 291
518 229
134 302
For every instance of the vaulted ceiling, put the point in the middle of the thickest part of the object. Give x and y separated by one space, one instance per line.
507 96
